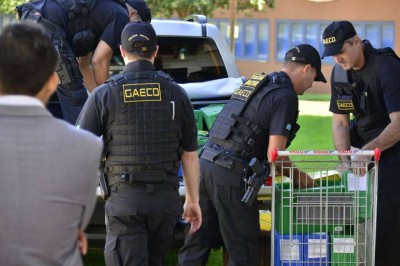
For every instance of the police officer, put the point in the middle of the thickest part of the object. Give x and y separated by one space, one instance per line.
89 30
147 123
365 83
260 117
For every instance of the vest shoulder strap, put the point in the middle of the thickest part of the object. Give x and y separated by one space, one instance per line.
387 51
340 75
116 80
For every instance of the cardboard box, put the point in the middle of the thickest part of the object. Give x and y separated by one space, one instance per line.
265 220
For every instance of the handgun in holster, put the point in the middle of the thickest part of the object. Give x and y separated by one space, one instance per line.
255 180
103 182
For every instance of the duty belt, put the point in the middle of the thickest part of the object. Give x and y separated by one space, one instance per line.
224 160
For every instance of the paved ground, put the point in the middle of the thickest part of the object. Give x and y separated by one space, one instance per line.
317 108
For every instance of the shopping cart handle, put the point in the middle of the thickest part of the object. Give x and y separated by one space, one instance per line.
274 154
377 154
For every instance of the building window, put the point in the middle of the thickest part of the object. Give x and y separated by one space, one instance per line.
293 32
251 40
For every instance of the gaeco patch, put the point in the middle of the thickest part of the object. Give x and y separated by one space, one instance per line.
345 105
142 92
244 92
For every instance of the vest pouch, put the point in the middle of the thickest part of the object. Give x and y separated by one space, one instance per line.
82 42
150 176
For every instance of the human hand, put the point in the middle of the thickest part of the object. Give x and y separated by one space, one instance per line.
82 242
192 214
359 165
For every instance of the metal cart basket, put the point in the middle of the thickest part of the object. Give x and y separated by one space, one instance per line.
333 223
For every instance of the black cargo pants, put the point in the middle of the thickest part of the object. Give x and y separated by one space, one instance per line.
140 221
221 192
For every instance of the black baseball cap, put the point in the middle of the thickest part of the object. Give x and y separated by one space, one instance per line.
141 7
139 32
334 36
306 54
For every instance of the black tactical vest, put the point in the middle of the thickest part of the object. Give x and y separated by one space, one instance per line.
82 32
359 93
236 127
144 141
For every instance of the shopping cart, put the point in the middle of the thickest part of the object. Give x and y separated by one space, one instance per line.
331 224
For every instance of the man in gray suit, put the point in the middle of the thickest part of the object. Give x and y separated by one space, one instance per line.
48 168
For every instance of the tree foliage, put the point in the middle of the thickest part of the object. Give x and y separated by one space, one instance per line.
183 8
8 6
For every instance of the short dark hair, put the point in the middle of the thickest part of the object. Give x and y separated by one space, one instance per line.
27 60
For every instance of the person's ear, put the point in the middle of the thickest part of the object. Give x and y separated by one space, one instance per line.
122 50
49 88
306 68
53 83
154 54
357 41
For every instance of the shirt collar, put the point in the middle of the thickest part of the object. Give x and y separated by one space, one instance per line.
140 65
20 100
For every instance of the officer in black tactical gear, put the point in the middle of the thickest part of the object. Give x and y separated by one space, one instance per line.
366 83
89 30
260 117
147 123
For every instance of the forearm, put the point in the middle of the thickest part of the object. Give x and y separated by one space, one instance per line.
88 78
389 136
341 134
288 168
100 72
190 167
87 73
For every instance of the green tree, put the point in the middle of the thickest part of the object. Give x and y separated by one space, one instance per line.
183 8
8 6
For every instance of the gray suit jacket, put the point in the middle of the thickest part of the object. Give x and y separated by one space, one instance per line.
48 178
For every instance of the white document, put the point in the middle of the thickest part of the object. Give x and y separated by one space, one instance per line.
290 250
356 183
343 245
317 248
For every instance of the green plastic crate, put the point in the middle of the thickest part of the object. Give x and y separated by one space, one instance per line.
202 138
198 117
210 113
314 210
362 196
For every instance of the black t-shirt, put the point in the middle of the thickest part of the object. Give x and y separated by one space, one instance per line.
388 76
109 16
277 114
99 111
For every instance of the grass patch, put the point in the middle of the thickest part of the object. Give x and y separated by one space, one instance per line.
315 134
315 97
